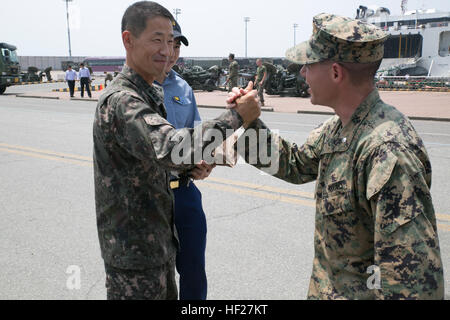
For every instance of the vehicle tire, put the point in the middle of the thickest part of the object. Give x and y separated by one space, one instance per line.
2 90
304 94
210 85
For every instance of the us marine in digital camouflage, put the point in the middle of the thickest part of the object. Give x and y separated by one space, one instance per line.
233 75
374 209
133 143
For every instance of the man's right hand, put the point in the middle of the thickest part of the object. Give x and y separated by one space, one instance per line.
245 102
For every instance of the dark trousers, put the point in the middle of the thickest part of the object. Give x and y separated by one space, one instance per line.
85 83
71 84
190 222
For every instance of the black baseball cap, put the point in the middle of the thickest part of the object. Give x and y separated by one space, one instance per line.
178 35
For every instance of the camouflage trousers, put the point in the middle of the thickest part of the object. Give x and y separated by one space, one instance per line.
260 91
151 284
233 83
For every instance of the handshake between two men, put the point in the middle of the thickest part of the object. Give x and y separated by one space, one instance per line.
247 105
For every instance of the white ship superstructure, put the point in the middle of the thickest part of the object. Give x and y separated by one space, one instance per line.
419 42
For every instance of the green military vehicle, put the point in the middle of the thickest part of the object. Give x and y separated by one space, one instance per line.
9 66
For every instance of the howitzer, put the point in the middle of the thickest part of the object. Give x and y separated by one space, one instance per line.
285 82
46 73
200 79
31 75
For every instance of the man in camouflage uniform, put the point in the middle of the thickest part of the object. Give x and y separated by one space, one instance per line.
375 235
261 76
233 75
108 78
133 143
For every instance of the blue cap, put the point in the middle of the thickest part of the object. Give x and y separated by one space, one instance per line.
178 35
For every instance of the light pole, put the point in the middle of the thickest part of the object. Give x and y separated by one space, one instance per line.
295 34
176 12
246 20
68 25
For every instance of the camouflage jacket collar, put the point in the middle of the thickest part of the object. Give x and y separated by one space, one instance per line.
340 137
154 92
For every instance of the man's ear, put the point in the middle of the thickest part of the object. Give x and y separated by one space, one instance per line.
127 39
337 72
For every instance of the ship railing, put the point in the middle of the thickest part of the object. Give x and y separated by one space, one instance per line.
413 83
415 27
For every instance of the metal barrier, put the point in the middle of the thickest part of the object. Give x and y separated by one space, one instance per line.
38 82
429 84
93 88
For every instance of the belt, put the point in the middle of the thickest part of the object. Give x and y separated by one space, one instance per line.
183 181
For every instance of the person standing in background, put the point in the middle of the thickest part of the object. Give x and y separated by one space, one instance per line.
261 76
71 77
190 219
85 80
233 73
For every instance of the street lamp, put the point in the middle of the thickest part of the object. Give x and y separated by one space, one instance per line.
176 12
68 25
295 34
246 20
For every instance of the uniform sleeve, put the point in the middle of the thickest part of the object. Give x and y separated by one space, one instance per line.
197 117
148 136
279 157
406 246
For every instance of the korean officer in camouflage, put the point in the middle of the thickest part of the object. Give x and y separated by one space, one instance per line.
233 75
133 144
375 231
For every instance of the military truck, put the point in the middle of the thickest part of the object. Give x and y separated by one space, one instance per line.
9 66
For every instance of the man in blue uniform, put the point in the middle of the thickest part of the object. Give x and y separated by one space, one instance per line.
71 77
85 80
190 219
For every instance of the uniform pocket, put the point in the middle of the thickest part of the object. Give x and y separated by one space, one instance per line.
160 134
335 203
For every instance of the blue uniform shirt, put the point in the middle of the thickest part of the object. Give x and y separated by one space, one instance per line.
180 102
84 73
71 75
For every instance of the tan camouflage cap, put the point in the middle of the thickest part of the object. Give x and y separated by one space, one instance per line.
340 39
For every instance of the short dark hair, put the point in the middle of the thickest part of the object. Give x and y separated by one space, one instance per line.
136 16
361 72
231 55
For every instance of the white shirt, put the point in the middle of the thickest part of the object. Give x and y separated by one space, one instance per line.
71 75
84 73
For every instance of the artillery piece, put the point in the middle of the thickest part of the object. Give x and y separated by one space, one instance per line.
286 82
31 75
46 73
199 78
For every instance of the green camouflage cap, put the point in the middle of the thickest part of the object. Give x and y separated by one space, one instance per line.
340 39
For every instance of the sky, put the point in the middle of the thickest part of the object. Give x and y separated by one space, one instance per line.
214 28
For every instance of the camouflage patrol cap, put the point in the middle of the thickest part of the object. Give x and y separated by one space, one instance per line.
340 39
